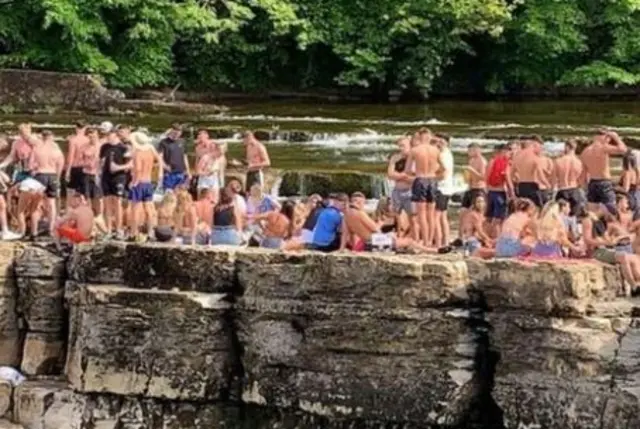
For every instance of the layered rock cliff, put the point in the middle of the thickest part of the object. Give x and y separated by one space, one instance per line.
166 337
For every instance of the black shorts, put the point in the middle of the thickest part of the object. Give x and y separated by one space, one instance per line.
114 186
252 178
76 181
442 202
575 198
470 195
530 191
424 190
601 191
546 195
50 183
91 189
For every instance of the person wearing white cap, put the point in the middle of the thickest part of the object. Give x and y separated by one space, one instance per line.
106 127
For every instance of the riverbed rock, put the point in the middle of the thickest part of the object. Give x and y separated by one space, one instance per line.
188 268
6 391
6 424
100 263
164 344
46 405
10 332
563 287
44 353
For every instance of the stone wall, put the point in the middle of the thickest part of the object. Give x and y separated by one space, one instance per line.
165 337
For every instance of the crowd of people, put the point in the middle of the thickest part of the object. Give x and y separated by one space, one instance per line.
521 203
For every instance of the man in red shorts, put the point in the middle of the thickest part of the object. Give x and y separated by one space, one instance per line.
76 226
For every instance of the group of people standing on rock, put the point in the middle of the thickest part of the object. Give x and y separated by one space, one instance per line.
520 203
523 203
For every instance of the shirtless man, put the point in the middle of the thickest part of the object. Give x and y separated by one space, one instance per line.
77 224
526 166
544 176
73 173
596 173
476 170
257 159
90 162
425 157
401 194
358 227
46 164
568 170
144 156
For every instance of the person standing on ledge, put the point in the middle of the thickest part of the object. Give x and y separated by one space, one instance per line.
596 173
568 170
257 160
176 162
73 175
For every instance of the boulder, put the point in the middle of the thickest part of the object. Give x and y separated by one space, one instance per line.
380 280
100 263
553 288
44 353
6 390
10 331
46 405
41 303
167 266
6 424
163 344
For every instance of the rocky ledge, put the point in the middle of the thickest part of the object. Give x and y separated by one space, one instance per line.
165 337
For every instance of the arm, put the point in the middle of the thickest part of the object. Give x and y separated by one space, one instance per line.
618 147
161 165
508 176
193 216
60 165
369 223
480 233
409 163
391 170
10 158
344 237
186 163
626 181
584 175
587 234
237 217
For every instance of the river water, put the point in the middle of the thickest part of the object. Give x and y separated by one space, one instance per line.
333 138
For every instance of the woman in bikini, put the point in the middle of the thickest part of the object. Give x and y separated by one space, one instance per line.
550 234
186 218
165 228
630 182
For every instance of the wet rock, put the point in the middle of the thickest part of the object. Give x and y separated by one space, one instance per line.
567 288
37 262
100 263
6 390
167 266
46 405
44 353
172 345
41 303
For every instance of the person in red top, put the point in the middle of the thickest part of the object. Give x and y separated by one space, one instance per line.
500 188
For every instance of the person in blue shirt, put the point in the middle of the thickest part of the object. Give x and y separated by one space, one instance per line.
171 148
326 234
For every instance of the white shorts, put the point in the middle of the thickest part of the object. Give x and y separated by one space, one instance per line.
209 182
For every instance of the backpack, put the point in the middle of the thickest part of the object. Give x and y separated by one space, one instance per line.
496 175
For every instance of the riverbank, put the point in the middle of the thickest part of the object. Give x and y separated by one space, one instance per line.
151 336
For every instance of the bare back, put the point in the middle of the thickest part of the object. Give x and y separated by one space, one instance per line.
76 142
543 174
526 165
46 158
143 161
595 159
514 224
426 160
357 224
82 217
568 169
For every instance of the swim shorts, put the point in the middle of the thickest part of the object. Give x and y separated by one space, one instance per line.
141 193
50 183
91 190
601 191
496 205
442 202
401 201
574 196
76 180
424 190
114 186
530 191
71 234
173 179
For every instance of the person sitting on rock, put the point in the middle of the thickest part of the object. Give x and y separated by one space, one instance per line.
472 229
550 234
510 241
277 226
361 232
227 221
77 224
601 246
165 228
186 217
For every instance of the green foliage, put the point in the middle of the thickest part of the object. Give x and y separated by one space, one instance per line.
378 45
